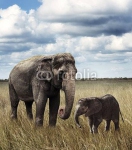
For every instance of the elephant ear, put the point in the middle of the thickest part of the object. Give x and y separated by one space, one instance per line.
45 61
44 69
94 106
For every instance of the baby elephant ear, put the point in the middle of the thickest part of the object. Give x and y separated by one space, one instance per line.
94 106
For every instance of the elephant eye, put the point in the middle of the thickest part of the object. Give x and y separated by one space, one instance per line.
61 75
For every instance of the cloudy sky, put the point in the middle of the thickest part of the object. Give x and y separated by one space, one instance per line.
98 33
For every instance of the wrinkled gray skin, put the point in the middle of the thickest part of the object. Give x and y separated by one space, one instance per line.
97 109
39 78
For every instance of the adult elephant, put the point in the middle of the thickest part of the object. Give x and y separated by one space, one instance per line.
42 77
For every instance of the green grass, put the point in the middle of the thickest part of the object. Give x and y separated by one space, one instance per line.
22 134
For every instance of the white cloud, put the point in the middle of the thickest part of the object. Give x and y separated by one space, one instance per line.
12 21
58 8
120 43
116 43
81 59
18 26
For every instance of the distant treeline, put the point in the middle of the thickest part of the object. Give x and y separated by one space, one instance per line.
3 80
121 78
84 79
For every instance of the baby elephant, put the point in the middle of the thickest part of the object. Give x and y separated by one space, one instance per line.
97 109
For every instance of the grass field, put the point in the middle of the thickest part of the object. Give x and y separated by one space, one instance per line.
22 135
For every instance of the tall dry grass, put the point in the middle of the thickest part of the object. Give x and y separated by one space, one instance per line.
22 134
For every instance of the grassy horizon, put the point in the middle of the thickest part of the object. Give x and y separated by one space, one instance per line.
22 134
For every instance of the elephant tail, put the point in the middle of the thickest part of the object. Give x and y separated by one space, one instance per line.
121 116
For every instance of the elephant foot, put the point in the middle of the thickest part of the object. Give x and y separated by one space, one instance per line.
106 130
13 117
39 122
95 131
30 117
91 131
117 130
52 123
52 126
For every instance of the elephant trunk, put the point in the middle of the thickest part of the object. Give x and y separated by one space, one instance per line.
69 90
76 117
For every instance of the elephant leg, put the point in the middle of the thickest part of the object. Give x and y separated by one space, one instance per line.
116 123
96 124
115 119
54 103
14 105
14 101
40 108
90 123
28 105
107 125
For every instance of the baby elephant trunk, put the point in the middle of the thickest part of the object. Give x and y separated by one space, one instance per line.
76 117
